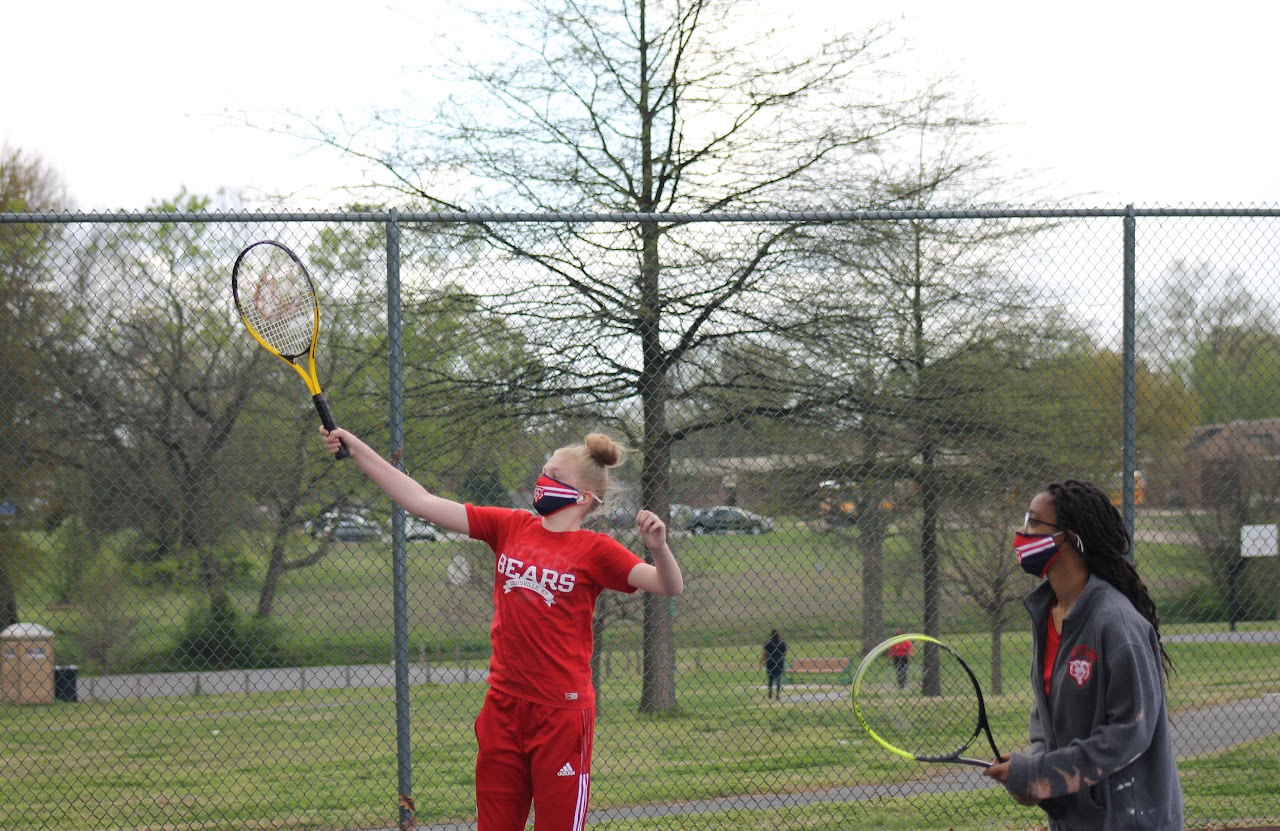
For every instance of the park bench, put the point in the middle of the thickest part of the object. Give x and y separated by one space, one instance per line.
841 667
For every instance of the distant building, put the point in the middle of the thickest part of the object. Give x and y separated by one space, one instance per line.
1226 461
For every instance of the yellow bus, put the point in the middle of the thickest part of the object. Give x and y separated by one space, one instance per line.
1117 492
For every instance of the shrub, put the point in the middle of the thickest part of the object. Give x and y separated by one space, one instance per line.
217 639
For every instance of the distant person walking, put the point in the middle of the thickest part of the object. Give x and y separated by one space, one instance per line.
901 655
774 657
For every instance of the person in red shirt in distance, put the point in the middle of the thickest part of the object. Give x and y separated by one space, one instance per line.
536 728
901 654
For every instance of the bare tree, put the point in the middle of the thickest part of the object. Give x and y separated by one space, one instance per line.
652 107
981 567
956 325
1190 301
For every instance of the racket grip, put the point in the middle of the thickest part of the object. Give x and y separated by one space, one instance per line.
326 418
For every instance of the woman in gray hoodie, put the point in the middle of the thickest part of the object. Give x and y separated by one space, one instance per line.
1100 757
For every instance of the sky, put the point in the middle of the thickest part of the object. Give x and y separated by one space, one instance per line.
1156 104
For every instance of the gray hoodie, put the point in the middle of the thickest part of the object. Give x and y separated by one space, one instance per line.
1100 745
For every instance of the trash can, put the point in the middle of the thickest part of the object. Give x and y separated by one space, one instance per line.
64 682
26 664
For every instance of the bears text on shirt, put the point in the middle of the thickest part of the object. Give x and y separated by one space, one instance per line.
544 582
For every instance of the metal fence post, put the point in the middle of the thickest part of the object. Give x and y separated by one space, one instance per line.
400 576
1129 404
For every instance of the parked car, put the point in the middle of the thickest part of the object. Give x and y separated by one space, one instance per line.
420 530
610 519
682 516
345 528
728 519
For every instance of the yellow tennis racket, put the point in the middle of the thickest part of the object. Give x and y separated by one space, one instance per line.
277 301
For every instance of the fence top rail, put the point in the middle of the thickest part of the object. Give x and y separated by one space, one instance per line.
497 217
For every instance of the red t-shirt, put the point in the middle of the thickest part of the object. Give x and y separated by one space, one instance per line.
1052 639
544 598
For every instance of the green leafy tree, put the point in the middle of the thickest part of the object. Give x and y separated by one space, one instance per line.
152 377
291 480
27 183
483 486
1235 372
1204 323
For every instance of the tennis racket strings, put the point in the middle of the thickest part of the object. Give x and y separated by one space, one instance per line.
927 717
281 305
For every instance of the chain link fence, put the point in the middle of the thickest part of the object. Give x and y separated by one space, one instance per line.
210 624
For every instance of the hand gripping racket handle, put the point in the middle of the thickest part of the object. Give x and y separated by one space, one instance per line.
326 418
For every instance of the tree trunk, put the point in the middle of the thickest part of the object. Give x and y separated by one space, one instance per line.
997 652
212 573
8 599
275 570
931 564
276 565
872 523
658 686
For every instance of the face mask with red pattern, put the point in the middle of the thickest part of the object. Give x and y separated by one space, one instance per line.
1036 552
551 495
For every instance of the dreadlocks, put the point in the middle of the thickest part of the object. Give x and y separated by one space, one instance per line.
1105 544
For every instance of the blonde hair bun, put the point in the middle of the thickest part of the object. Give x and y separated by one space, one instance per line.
604 450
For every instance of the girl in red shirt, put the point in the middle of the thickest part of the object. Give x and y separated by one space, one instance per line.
535 730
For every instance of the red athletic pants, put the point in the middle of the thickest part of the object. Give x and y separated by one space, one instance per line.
532 754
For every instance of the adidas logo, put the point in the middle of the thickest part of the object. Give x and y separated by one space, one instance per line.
567 770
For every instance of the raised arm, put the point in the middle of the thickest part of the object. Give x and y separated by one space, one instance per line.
664 576
403 489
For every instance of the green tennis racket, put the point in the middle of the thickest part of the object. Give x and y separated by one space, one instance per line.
935 726
933 720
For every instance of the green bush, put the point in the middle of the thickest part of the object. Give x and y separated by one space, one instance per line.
1204 604
167 573
218 639
177 571
1196 604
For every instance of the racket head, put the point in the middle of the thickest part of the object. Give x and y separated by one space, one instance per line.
276 299
927 720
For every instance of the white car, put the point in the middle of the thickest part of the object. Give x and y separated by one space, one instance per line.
346 528
417 529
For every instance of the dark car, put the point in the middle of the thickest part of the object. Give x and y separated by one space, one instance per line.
727 519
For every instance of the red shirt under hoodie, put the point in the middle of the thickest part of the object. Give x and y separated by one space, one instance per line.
544 598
